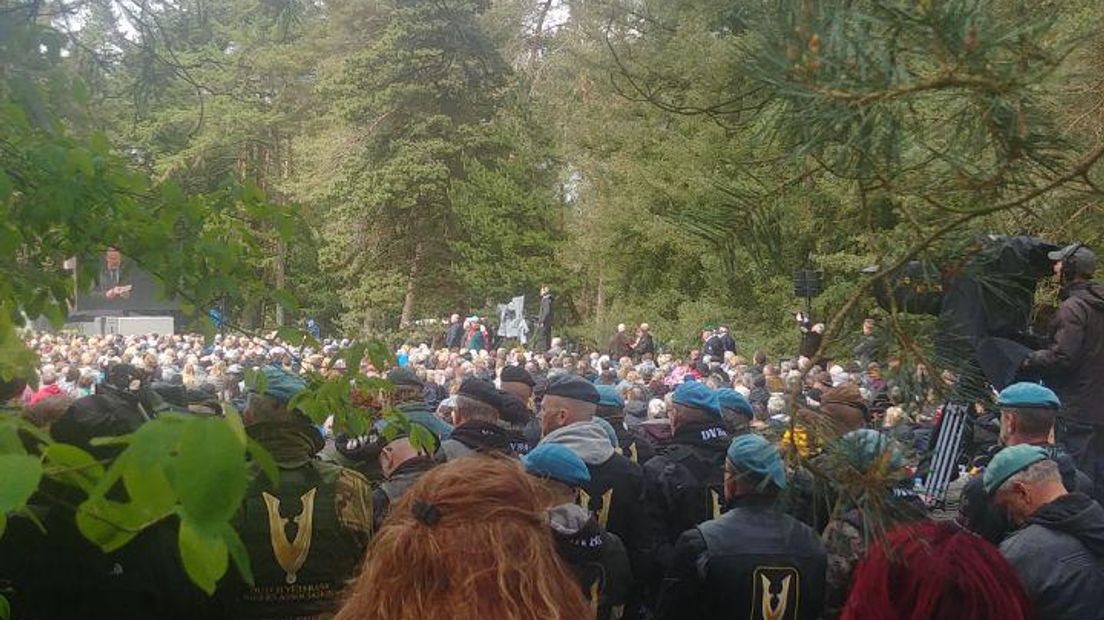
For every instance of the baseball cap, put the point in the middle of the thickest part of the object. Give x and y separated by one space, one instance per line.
1079 255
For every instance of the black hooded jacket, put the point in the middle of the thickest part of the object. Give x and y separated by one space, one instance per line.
1074 362
683 483
597 558
1059 556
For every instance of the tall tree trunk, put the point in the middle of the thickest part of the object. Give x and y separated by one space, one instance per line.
280 268
599 302
408 299
280 277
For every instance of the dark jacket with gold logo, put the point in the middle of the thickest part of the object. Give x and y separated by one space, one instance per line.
752 562
305 537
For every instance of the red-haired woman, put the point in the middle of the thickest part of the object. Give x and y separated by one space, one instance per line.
469 541
935 571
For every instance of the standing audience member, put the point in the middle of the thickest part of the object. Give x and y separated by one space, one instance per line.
751 557
1058 552
597 557
475 415
301 575
683 483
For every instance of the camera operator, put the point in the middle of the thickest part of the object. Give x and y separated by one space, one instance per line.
1073 363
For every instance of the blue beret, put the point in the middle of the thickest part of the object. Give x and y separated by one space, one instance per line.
282 385
608 396
696 395
1009 462
754 454
865 448
729 398
575 388
1028 395
551 460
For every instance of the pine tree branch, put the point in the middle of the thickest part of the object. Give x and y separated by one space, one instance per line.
949 79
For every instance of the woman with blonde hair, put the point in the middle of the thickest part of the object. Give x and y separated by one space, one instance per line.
469 541
188 375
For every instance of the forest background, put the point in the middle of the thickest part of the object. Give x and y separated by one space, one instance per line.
385 161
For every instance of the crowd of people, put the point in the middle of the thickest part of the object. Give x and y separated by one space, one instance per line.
623 483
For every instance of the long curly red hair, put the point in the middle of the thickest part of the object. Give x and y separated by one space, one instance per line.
490 553
935 571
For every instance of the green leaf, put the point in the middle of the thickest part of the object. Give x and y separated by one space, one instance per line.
209 474
5 608
73 466
204 553
264 460
422 439
20 475
291 335
3 524
33 517
106 523
9 440
352 357
234 421
255 381
150 491
380 355
238 553
122 440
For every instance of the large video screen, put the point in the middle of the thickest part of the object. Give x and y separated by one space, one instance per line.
121 288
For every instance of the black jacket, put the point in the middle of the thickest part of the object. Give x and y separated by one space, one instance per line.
743 561
683 483
644 345
978 513
475 437
544 319
1059 556
454 337
714 348
728 344
597 558
1074 362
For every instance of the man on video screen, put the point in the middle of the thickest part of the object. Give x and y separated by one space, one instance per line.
113 281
